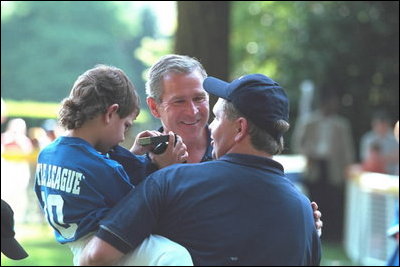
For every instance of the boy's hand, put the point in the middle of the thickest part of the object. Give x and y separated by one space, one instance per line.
139 149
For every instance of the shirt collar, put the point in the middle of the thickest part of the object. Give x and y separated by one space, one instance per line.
253 161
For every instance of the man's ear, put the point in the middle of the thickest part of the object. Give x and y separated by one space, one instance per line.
151 102
111 110
242 128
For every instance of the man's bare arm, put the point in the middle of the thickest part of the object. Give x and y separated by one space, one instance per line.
98 252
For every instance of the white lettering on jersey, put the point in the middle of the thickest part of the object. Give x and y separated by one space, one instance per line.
59 178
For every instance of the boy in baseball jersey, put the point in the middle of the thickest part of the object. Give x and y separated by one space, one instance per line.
77 183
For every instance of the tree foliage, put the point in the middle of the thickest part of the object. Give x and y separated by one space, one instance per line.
46 45
351 46
203 33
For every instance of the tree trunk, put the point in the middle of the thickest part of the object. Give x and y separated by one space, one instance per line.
203 29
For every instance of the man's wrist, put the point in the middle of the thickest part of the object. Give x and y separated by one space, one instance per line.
107 236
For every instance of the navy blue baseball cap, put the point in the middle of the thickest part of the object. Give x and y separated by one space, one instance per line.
256 96
9 245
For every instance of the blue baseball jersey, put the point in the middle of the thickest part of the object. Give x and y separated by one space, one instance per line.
238 210
77 186
136 166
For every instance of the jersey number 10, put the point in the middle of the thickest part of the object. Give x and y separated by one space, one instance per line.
53 207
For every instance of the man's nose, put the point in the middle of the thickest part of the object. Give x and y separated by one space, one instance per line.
192 108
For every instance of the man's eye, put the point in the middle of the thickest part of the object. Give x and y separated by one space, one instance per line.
200 99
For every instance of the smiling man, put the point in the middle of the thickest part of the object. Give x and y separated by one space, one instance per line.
176 96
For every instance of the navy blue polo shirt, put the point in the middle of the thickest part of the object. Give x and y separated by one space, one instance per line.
238 210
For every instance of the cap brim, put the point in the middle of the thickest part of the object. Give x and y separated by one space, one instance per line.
12 249
216 87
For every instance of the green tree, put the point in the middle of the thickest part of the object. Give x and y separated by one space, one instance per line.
46 45
353 46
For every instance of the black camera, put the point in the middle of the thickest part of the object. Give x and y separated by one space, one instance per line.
160 142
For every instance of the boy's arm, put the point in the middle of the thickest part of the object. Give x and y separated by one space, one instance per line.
135 166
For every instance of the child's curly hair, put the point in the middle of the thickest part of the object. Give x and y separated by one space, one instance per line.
94 91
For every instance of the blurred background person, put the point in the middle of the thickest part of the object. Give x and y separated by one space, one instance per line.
325 139
15 172
39 139
52 129
374 160
379 146
15 138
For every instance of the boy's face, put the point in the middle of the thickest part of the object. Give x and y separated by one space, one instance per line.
116 130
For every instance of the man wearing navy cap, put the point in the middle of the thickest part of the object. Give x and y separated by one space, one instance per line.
9 245
239 209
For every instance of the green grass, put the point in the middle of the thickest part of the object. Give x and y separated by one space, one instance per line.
333 254
38 240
